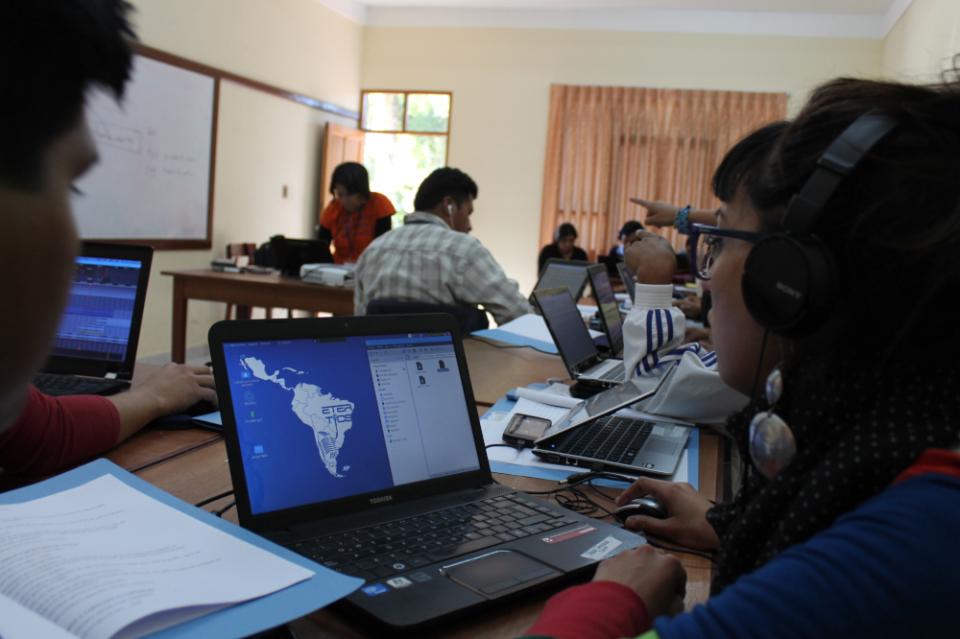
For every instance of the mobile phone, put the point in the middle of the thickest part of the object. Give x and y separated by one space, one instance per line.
525 430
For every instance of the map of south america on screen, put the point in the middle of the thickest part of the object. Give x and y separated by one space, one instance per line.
329 417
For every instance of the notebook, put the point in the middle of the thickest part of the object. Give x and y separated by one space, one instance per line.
356 442
568 274
629 280
570 334
95 347
608 309
591 435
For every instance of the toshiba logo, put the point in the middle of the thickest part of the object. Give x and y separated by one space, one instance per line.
792 292
380 500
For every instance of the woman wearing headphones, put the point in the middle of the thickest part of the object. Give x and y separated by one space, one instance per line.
827 267
563 247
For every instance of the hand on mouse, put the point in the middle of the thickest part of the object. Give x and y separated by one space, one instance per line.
657 577
686 523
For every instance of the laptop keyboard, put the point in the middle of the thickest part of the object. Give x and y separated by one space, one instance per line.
611 438
377 552
615 374
53 384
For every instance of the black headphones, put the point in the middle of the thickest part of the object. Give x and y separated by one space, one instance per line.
789 279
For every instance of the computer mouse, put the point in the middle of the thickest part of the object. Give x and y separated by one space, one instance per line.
647 505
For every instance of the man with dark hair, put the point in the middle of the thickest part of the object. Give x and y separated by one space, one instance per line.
62 48
433 259
355 216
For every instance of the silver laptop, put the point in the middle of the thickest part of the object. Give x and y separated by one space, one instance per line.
580 355
568 274
591 435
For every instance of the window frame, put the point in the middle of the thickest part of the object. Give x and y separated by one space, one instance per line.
404 131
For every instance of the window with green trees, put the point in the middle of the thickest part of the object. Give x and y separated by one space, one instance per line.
407 134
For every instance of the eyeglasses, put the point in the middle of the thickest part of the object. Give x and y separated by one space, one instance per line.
705 242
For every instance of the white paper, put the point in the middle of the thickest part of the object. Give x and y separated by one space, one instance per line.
549 397
529 407
17 621
96 558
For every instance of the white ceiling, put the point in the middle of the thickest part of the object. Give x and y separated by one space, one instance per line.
823 18
875 7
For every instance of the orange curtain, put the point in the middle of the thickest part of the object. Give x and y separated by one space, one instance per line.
606 144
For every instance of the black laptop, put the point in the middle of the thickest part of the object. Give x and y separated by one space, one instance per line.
608 308
356 442
95 347
577 349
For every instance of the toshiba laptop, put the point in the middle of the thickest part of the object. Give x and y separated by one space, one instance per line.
568 274
591 435
570 334
609 310
95 347
355 442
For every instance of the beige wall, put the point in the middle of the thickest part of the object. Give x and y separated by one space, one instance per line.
924 41
264 142
500 80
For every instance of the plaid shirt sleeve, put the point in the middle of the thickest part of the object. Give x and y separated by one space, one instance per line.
482 281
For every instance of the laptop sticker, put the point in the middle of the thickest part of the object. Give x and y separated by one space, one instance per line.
399 582
602 550
374 589
569 534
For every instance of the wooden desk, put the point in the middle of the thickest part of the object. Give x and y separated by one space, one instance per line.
249 289
202 472
496 369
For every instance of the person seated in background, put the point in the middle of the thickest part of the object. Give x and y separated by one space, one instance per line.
355 216
433 259
563 247
626 236
62 48
847 522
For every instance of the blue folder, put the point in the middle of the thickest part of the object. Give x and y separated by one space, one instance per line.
239 620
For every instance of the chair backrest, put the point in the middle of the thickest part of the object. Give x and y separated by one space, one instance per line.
469 318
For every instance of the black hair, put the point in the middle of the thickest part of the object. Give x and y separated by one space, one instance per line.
893 225
566 230
52 51
445 182
353 177
745 158
629 228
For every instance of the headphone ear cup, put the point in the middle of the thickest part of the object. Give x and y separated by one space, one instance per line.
789 285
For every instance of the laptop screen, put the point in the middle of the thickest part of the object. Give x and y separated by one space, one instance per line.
569 275
567 327
325 419
98 320
609 309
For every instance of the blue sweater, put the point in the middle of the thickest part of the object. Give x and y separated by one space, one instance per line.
889 568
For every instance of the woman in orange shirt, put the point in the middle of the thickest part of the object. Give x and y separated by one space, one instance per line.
355 216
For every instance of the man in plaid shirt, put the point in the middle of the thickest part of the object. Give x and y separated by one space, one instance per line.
431 258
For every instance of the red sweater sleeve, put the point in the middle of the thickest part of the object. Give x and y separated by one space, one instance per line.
594 610
54 433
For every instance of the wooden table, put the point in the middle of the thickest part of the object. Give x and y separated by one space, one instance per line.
192 465
249 289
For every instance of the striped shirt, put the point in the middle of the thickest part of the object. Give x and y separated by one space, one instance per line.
426 261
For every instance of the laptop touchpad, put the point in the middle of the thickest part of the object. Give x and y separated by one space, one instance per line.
498 572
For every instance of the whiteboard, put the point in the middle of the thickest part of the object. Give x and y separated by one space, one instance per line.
153 180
